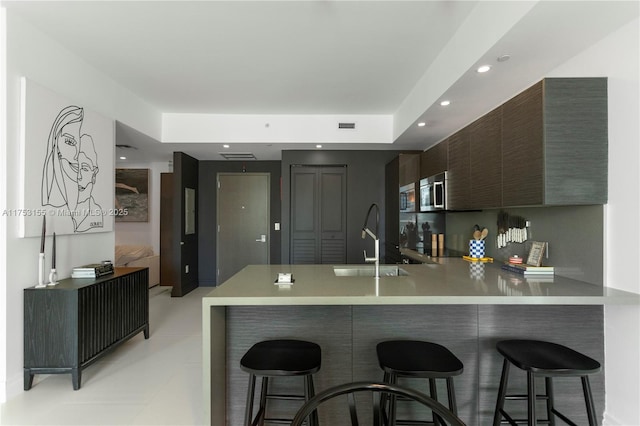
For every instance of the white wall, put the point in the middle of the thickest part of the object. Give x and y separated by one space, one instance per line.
147 233
617 57
3 205
32 54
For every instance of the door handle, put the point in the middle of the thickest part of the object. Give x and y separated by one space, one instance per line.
262 239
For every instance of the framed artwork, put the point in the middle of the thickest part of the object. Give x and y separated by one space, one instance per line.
67 154
536 253
132 195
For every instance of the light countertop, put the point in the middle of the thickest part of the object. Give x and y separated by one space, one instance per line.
452 281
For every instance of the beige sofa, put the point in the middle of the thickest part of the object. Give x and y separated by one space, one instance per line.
139 256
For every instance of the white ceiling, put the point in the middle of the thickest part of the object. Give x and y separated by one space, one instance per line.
321 57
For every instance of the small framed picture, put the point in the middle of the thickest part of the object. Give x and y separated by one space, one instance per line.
536 253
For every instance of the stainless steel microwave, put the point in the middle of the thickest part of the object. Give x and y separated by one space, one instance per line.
433 193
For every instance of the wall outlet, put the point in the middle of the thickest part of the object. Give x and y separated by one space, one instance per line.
186 269
276 226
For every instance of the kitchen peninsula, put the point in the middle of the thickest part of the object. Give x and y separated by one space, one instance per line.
464 306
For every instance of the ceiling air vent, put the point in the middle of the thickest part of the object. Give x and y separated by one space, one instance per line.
238 155
346 125
124 146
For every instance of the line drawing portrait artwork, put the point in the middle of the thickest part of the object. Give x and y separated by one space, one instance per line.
68 163
70 170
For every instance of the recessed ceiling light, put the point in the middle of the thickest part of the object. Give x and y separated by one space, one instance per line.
123 158
225 146
483 68
318 146
422 124
445 103
503 58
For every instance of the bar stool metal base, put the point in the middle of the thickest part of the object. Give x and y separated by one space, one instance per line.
279 358
417 359
548 360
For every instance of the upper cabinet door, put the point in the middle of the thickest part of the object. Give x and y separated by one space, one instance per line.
458 185
485 161
522 149
575 140
409 168
434 160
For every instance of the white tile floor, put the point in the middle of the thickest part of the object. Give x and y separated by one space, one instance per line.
143 382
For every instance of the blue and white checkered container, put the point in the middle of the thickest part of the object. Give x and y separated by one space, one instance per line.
476 248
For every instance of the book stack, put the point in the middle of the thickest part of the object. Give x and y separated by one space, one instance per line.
94 270
528 270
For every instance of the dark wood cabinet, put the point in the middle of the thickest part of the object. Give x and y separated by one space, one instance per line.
485 161
434 160
409 172
546 146
522 149
555 143
459 179
70 326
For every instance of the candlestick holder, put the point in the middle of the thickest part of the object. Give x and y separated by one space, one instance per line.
41 283
53 277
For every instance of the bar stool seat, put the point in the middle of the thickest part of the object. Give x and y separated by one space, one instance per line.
543 359
273 358
418 359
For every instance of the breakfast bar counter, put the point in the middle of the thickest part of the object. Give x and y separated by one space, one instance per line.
466 306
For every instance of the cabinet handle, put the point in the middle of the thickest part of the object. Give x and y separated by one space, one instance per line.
438 190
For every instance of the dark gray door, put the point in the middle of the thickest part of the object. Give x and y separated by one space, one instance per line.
318 214
243 222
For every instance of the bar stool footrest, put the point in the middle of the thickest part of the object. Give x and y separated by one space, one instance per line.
413 422
285 397
520 397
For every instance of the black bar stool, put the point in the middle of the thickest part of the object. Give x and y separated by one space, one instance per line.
273 358
543 359
418 359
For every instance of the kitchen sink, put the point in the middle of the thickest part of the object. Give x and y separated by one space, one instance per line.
368 271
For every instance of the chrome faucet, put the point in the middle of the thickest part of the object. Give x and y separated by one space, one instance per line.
365 231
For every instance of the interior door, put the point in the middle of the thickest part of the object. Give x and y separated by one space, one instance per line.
243 222
318 214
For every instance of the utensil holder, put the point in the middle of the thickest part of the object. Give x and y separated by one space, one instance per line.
476 248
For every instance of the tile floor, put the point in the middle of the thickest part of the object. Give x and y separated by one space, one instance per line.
143 382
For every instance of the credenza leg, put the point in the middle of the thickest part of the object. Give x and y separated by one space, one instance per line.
76 376
146 332
28 379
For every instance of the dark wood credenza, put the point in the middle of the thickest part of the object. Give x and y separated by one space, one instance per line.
69 326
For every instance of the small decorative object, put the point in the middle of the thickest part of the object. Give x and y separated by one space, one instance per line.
94 270
53 275
536 253
515 259
284 280
476 248
41 283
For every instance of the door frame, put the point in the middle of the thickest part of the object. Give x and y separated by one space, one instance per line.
268 207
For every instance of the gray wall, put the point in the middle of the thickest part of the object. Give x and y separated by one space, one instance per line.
208 216
365 185
575 235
